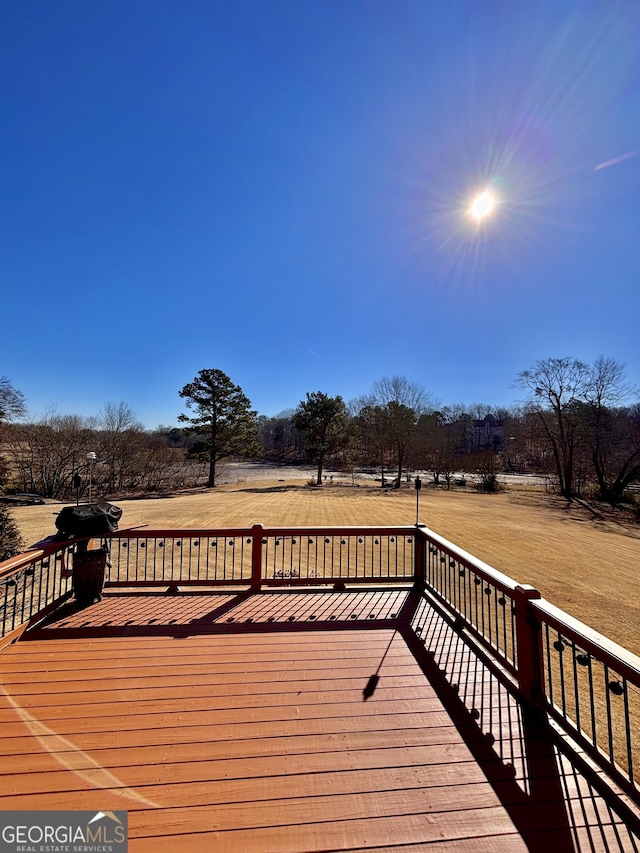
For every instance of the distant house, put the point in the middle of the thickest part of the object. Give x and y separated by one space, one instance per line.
487 434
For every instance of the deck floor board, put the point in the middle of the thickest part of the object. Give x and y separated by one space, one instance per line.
256 735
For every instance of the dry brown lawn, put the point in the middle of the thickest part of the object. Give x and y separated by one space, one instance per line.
584 562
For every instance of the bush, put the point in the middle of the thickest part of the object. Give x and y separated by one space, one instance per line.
487 466
10 540
489 484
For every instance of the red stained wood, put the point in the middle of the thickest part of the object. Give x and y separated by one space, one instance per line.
219 739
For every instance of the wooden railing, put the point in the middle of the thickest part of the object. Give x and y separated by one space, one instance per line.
181 557
591 688
483 600
258 556
588 685
31 585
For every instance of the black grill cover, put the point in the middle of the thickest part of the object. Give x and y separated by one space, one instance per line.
88 519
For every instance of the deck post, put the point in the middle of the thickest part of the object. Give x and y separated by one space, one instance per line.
529 640
419 558
256 557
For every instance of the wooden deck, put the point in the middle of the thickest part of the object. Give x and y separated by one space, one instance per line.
225 721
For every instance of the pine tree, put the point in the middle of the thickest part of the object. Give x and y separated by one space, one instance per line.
323 422
12 405
223 421
10 540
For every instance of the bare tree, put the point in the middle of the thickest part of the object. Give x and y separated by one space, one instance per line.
614 430
12 402
608 385
557 386
118 443
487 466
46 454
436 449
399 389
480 411
404 401
373 425
584 423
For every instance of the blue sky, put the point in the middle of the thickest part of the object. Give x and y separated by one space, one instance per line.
280 190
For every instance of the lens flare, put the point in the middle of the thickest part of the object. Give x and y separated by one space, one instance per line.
482 205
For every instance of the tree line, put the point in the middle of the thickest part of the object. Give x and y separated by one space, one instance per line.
49 457
578 424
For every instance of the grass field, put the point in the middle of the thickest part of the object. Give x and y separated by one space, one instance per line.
584 561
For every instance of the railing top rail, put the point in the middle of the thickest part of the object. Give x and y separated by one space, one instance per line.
624 662
44 548
14 564
337 530
36 552
359 530
171 532
497 578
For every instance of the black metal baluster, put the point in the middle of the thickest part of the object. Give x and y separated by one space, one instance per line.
576 690
547 645
608 696
627 728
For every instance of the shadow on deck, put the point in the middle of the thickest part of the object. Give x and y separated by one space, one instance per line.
290 720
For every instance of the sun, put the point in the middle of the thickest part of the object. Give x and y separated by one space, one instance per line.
482 205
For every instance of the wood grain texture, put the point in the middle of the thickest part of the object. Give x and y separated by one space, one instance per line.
235 736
